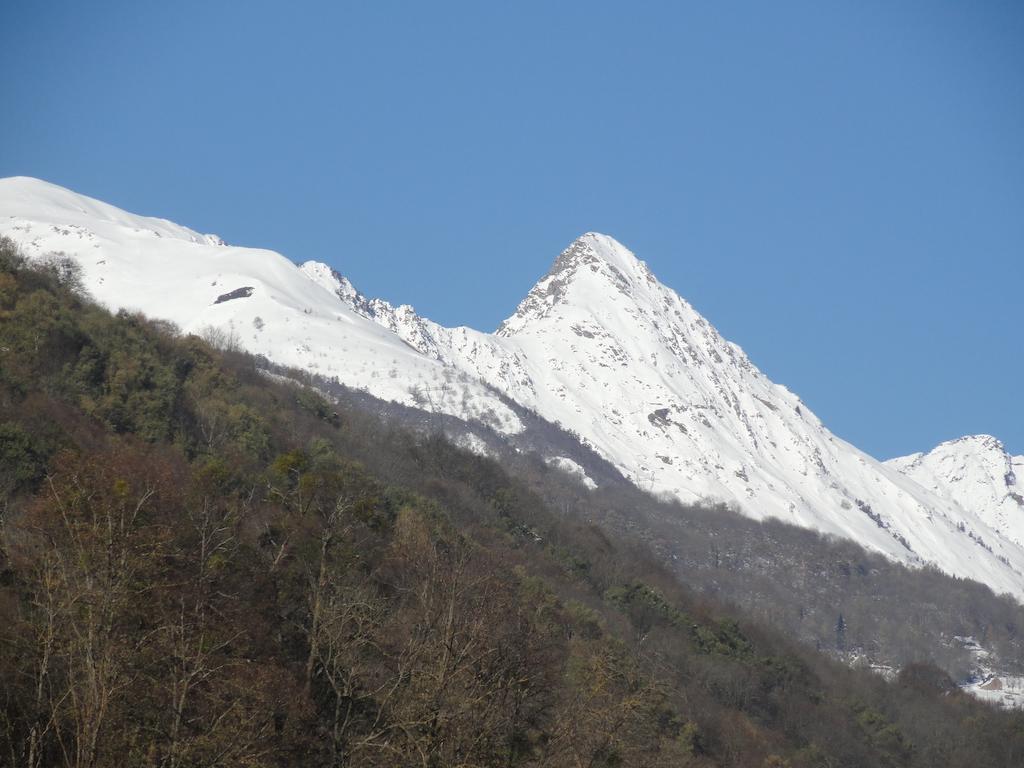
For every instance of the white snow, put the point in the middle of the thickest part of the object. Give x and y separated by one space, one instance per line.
985 683
473 443
571 467
598 346
978 474
1004 690
293 316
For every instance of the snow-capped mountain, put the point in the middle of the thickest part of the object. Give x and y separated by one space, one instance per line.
598 346
264 302
977 473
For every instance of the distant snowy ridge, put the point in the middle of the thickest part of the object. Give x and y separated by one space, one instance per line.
598 346
977 473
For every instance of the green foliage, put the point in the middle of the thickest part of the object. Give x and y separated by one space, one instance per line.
311 402
22 459
585 621
11 259
883 733
645 606
571 560
221 570
724 639
926 678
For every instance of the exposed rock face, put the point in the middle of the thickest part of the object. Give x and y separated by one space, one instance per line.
239 293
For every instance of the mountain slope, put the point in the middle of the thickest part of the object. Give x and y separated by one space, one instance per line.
602 348
977 473
206 566
261 300
598 346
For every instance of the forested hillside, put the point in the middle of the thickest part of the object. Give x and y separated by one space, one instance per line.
829 593
201 565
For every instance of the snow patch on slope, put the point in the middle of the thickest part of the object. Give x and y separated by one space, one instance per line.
1003 690
570 467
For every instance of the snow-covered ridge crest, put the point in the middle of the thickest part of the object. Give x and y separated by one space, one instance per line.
599 346
979 474
402 320
262 301
43 202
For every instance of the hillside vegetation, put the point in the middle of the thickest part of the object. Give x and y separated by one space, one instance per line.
829 593
204 566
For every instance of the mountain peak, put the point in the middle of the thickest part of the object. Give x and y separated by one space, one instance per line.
329 278
592 267
596 249
986 442
958 449
976 472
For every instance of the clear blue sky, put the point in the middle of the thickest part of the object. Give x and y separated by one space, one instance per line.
838 186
